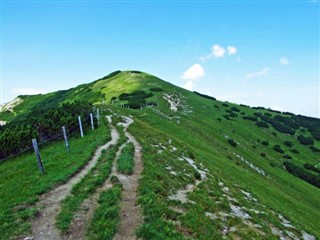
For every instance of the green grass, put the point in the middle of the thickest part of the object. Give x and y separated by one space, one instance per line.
82 190
106 217
126 159
21 182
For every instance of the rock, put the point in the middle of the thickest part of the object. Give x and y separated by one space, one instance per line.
28 238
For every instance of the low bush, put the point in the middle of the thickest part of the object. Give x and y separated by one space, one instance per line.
305 140
263 154
302 173
314 149
233 115
235 109
205 96
288 143
156 89
262 124
288 121
265 143
227 116
225 105
311 167
294 151
232 142
278 148
287 156
251 118
257 114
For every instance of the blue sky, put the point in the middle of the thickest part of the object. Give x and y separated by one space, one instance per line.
259 53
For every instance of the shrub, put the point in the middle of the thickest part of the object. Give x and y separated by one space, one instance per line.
251 118
225 105
262 124
314 149
263 154
294 151
233 115
156 89
302 173
205 96
278 149
257 114
232 142
235 109
287 156
288 121
227 116
42 123
197 175
288 143
305 140
124 96
315 134
280 127
311 167
265 143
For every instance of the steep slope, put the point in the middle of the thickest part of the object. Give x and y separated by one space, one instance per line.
211 169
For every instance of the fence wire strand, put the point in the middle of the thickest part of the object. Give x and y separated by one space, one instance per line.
70 131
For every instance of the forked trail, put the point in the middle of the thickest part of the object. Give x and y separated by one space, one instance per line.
43 227
130 213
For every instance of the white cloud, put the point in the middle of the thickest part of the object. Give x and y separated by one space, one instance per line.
188 85
217 51
264 72
284 61
196 71
28 91
231 50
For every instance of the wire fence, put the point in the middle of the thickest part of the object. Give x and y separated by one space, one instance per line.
71 132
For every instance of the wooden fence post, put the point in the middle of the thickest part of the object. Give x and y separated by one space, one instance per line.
91 119
80 126
65 138
36 151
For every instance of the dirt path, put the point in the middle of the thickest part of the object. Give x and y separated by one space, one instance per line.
43 227
83 217
130 213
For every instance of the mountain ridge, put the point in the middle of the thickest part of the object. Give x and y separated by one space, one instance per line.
254 159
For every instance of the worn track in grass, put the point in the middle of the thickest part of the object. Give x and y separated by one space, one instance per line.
43 227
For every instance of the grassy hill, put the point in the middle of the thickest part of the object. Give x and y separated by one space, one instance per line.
212 169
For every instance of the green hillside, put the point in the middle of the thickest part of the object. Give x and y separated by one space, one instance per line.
212 169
